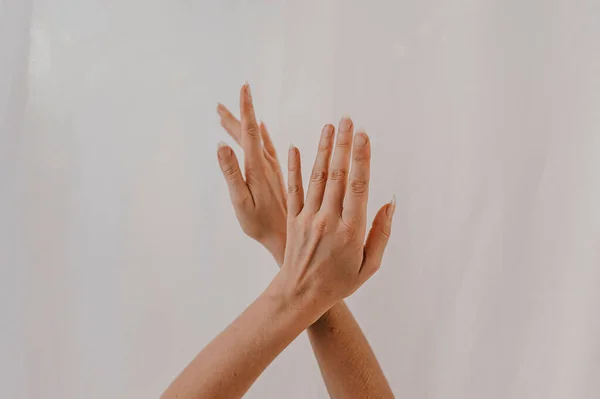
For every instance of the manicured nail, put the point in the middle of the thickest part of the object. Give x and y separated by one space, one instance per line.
292 154
392 208
360 139
220 108
327 130
248 91
345 123
220 145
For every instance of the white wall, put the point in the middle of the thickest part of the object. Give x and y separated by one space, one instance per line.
15 17
123 256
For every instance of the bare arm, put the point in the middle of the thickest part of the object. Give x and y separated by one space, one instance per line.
347 362
326 259
228 365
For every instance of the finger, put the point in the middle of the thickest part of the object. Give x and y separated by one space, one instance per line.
267 142
338 172
295 190
357 194
270 149
281 185
238 190
318 178
230 123
377 240
251 141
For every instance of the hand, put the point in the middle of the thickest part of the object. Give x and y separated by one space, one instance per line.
259 200
326 257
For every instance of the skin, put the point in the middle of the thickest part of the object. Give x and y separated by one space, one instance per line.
325 260
347 362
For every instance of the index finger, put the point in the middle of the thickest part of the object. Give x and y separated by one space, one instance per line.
230 123
251 141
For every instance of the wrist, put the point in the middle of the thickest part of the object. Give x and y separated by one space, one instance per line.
300 302
330 315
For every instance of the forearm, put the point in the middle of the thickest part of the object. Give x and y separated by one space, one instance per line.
346 360
227 366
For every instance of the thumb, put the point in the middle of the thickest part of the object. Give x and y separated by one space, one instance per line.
238 190
377 239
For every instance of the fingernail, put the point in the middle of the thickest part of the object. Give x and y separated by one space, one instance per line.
360 139
392 208
327 130
292 154
220 145
345 123
248 91
220 108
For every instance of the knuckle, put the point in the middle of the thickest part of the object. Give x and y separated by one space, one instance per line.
231 172
320 225
252 130
293 189
358 186
337 174
349 230
318 176
361 158
343 142
386 231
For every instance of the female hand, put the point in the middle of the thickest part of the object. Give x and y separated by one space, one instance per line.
259 200
326 257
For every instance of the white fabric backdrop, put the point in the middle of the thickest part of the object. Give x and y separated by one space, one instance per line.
121 256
